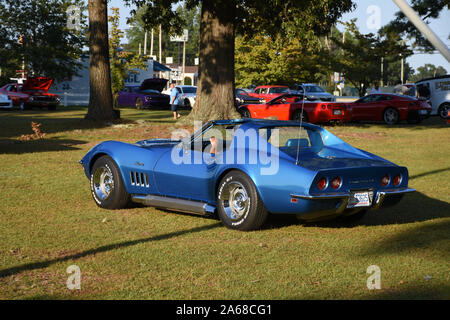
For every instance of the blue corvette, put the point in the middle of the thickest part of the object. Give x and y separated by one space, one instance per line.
245 169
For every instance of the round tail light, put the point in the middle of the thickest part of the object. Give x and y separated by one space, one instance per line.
322 183
397 180
385 180
336 183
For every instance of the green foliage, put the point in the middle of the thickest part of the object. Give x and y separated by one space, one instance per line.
122 62
428 71
359 56
427 10
190 21
48 46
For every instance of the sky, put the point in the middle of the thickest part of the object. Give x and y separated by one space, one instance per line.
370 14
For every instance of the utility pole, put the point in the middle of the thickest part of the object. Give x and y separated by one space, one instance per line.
145 42
401 72
151 44
160 41
184 59
382 66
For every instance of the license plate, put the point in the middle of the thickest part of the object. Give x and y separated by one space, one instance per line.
423 111
337 112
360 199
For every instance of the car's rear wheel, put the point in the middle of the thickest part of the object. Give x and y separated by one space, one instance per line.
22 105
300 116
238 203
443 110
187 103
139 104
107 187
245 113
390 116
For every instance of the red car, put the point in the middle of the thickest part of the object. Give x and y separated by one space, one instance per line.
33 92
269 92
390 108
289 107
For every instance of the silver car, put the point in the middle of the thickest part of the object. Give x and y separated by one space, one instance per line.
314 92
187 95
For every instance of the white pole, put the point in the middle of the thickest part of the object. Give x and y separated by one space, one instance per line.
145 42
151 44
184 59
423 28
160 41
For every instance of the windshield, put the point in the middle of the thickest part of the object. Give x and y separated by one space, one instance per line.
314 89
279 90
189 89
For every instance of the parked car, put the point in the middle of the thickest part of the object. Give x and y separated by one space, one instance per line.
437 91
313 92
289 107
146 95
32 93
309 172
187 95
5 101
390 108
242 96
269 92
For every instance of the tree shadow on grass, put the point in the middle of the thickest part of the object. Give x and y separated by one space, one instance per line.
12 146
44 264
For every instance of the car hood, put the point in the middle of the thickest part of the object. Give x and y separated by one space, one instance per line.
37 83
153 83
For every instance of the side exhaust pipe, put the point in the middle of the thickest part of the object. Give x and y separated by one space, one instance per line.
175 204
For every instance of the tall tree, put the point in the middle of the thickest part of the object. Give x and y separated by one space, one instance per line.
100 96
427 10
221 20
48 45
428 71
122 62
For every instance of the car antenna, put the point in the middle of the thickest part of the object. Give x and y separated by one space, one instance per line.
300 132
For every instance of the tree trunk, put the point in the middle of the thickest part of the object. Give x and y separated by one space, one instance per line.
215 94
100 98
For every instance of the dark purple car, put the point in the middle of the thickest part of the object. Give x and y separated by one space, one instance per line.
146 95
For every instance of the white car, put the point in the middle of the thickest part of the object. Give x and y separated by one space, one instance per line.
313 92
5 101
187 95
437 91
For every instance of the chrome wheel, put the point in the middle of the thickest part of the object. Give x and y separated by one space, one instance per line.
235 201
391 116
103 182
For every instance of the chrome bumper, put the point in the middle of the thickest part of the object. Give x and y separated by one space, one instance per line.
345 196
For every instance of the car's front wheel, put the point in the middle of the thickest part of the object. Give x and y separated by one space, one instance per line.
300 116
139 104
390 116
245 113
238 203
107 187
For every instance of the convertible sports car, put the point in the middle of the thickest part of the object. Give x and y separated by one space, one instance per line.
146 95
289 107
32 93
245 169
390 108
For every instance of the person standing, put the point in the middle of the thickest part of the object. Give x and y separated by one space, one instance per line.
376 89
174 100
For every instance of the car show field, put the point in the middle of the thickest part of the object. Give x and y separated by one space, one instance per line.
49 222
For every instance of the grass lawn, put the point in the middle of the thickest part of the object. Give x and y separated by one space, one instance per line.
48 222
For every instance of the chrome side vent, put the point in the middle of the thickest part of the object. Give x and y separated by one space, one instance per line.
139 179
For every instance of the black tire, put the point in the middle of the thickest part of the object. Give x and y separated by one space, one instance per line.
22 105
391 116
443 110
139 104
187 104
245 113
298 116
353 218
51 107
247 212
107 186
